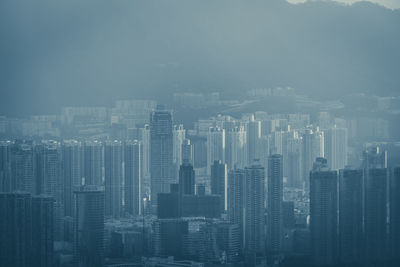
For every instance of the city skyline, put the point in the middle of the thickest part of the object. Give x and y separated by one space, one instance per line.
200 133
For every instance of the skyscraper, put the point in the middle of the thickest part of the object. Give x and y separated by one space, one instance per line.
93 163
186 179
254 235
236 197
312 148
23 167
375 214
72 173
294 161
133 169
48 170
395 213
350 215
187 151
89 227
145 140
375 203
179 137
335 147
253 137
5 166
219 182
275 198
373 158
161 152
15 229
49 179
26 230
42 231
199 151
323 213
236 147
215 146
113 178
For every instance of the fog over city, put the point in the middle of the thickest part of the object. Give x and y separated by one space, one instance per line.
200 133
94 52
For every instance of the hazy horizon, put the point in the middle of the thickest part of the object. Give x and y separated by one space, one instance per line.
392 4
67 53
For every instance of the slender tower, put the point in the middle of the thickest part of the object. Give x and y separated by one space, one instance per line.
275 198
161 152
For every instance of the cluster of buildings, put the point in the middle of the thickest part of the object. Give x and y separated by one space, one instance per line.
250 191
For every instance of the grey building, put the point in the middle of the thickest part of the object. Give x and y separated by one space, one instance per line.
15 229
253 138
72 160
254 219
161 152
93 163
219 182
375 204
186 179
323 213
42 231
5 166
236 199
395 213
275 198
89 227
133 171
375 214
113 178
187 151
350 215
23 167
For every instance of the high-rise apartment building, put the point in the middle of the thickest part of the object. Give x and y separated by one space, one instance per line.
15 229
254 219
236 198
48 170
23 167
323 213
375 204
215 146
375 214
26 230
42 231
395 213
89 227
5 166
253 137
350 215
72 170
219 182
275 199
236 147
294 161
113 155
93 163
179 135
335 147
312 148
133 172
145 140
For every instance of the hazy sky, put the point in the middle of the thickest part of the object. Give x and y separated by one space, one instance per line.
388 3
62 53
